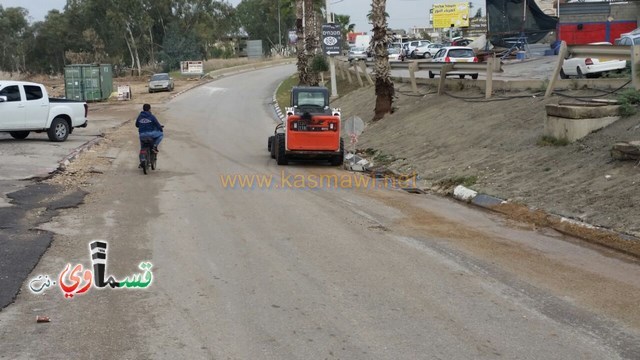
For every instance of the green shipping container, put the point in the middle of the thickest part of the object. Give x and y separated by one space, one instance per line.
88 82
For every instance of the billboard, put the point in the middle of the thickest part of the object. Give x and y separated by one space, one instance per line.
191 68
445 15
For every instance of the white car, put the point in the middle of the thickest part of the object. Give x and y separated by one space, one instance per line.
26 107
411 47
394 54
451 54
582 67
427 50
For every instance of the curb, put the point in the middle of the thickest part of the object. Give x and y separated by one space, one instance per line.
611 239
79 150
279 112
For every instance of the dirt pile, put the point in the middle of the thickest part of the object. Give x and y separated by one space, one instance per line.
496 147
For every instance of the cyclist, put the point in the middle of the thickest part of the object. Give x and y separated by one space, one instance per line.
148 126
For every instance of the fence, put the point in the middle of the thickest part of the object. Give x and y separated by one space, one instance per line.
492 65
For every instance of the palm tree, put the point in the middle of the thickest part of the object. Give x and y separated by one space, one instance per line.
311 40
345 27
300 48
379 43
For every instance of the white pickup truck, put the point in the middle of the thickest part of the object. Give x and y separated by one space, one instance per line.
26 107
582 67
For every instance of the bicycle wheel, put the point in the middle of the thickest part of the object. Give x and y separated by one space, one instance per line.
144 163
154 157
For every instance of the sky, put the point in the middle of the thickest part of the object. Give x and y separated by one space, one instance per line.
403 14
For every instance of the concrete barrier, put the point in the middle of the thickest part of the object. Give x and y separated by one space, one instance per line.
573 122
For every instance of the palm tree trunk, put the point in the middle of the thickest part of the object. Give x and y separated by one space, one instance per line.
300 48
381 38
310 40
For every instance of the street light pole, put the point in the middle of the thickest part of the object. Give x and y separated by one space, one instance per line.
332 64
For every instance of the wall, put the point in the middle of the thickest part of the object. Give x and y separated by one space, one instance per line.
583 23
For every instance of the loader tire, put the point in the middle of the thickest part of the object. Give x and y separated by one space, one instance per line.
281 157
269 142
272 146
339 159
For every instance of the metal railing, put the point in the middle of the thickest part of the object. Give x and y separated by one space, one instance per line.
492 65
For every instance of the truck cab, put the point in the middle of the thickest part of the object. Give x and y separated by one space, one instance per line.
311 99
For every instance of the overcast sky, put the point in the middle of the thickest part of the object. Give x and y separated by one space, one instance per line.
403 14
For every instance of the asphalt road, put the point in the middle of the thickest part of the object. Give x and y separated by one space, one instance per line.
295 273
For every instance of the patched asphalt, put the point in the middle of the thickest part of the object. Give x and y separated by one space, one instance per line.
21 243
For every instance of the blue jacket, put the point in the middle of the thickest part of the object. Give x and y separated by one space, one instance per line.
146 122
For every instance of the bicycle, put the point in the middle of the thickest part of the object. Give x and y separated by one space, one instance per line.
148 156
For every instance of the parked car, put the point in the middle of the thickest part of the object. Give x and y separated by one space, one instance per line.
462 42
357 53
427 50
413 45
455 54
629 39
581 67
394 54
26 107
161 82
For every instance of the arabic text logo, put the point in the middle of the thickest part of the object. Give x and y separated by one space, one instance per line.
77 280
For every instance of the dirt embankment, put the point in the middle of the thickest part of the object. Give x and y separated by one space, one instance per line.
495 147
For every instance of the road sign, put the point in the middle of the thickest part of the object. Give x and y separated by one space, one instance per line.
331 39
191 67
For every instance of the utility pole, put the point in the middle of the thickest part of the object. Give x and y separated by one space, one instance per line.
279 31
332 63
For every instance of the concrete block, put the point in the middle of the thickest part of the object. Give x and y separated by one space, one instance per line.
574 129
582 111
462 193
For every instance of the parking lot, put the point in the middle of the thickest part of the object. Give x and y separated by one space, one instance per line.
37 157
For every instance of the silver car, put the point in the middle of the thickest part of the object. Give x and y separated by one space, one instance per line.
357 53
161 82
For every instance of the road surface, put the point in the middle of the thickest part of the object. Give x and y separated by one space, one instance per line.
301 272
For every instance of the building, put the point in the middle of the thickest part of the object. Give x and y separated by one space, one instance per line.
589 22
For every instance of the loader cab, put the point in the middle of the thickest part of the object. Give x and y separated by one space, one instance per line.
311 99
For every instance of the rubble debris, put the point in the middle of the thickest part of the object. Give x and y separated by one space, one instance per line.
626 150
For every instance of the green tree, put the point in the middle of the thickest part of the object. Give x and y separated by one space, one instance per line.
13 27
259 19
179 44
51 43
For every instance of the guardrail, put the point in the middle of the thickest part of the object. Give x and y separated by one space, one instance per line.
631 53
492 65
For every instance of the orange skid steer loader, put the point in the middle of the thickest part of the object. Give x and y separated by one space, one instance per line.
311 129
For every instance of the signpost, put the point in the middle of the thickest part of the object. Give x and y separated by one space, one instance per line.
331 39
332 46
192 68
